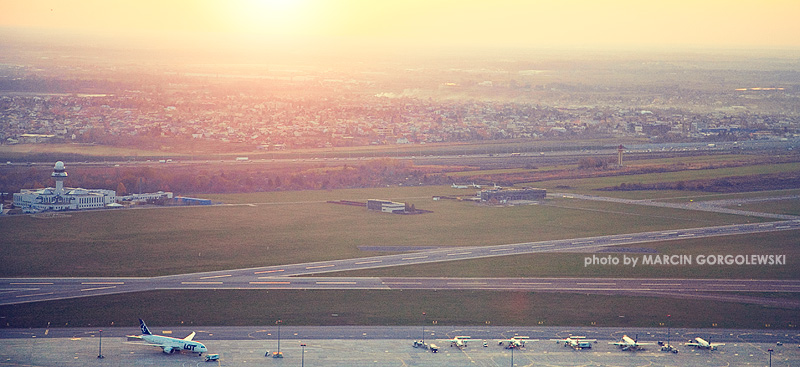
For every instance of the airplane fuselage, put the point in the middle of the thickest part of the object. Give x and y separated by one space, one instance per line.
172 345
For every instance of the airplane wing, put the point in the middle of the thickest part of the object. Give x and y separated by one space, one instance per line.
190 336
692 344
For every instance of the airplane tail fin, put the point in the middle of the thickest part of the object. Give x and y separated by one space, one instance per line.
145 330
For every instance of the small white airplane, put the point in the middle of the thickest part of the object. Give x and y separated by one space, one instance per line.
459 186
169 344
516 342
576 342
459 341
701 343
630 344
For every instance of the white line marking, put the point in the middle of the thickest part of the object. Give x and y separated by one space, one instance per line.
217 276
97 289
414 258
268 271
319 266
368 262
201 282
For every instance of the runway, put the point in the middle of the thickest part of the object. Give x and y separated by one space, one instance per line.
24 290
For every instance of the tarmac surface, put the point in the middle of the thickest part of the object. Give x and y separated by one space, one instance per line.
365 346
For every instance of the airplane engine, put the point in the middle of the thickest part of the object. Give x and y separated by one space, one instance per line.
168 350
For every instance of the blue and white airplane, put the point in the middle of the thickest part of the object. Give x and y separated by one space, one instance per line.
169 344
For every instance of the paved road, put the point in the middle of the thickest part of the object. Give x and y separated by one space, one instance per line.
23 290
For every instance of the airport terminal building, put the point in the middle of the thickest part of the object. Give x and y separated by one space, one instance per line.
60 198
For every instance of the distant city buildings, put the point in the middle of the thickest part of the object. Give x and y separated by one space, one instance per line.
271 123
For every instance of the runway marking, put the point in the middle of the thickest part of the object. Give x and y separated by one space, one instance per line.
582 242
97 289
401 283
531 283
657 284
30 283
460 253
625 238
541 246
201 282
414 258
101 283
596 283
320 266
268 271
686 235
337 282
368 262
270 282
669 233
217 276
34 295
501 249
476 283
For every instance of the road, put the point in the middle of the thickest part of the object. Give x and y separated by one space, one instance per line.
24 290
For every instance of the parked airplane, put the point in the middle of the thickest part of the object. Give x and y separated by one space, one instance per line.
576 342
169 344
459 341
701 343
630 344
516 342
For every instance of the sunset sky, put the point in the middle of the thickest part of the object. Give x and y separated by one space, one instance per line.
506 23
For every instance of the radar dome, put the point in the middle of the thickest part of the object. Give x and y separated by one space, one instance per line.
59 166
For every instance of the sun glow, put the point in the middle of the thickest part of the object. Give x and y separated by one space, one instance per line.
270 17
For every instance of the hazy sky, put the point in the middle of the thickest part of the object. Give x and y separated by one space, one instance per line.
532 23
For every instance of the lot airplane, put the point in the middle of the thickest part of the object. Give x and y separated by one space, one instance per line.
576 342
701 343
516 342
171 345
630 344
459 341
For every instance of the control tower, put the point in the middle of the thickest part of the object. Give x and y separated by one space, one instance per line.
59 173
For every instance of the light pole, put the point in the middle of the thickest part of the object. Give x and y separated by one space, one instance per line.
668 344
303 355
423 328
100 346
512 356
770 356
278 354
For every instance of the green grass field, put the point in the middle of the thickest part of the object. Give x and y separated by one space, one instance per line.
282 228
262 229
